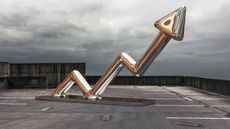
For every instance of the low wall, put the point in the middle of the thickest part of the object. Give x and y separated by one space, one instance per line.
4 69
3 82
27 82
144 80
55 72
212 85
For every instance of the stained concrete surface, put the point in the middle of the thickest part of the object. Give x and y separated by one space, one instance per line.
175 108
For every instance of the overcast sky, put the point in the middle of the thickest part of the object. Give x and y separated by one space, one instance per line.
96 31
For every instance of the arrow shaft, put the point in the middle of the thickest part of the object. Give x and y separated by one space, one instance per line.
125 60
74 76
170 26
152 52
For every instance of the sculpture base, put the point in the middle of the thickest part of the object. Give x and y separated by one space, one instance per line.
105 100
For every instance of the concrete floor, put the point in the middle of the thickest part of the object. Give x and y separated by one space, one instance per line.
175 108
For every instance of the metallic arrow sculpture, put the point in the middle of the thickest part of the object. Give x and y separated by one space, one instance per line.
170 26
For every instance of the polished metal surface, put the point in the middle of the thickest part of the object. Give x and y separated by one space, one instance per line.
170 26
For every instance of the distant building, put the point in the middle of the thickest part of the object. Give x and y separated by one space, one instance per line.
22 75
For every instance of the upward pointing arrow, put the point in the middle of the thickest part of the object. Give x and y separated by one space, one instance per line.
170 26
173 24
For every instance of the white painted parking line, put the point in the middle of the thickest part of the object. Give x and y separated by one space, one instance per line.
45 109
166 105
16 97
187 98
198 118
14 104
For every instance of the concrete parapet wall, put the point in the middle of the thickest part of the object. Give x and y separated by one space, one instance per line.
43 75
3 82
144 80
22 75
4 69
212 85
27 82
55 72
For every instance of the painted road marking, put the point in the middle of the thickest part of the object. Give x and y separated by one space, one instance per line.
187 98
14 104
198 118
45 109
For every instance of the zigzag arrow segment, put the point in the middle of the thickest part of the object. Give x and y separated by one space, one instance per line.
170 26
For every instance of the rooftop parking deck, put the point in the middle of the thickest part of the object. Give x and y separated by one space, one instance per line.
176 107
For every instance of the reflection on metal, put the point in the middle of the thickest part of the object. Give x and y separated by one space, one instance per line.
170 26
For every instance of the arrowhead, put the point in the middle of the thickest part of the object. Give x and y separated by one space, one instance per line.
173 24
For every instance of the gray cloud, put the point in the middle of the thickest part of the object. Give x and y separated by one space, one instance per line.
95 32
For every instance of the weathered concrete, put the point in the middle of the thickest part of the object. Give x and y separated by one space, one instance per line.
175 108
4 74
143 80
32 75
208 84
27 82
4 69
4 82
55 72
